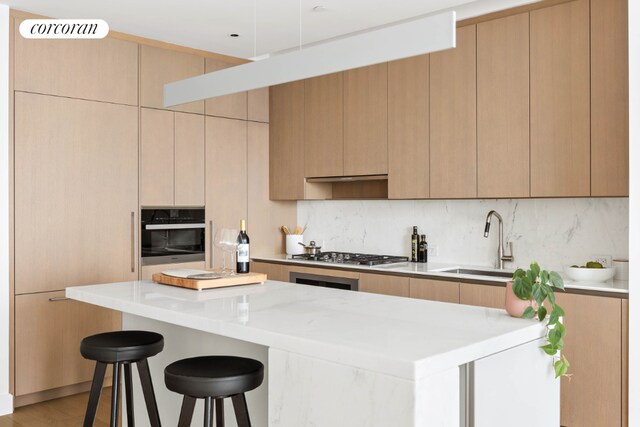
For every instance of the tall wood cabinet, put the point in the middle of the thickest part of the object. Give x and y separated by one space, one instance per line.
452 92
560 141
232 106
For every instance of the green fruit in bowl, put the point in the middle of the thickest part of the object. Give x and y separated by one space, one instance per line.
593 264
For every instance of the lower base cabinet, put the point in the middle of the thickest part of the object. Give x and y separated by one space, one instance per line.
482 295
48 331
434 290
277 272
382 284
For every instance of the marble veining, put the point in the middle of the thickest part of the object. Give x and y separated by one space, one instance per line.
553 232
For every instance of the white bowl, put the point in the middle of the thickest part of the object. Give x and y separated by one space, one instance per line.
589 274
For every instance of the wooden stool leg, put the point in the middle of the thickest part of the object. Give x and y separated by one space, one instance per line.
115 395
94 395
128 388
208 420
240 408
220 412
186 412
147 390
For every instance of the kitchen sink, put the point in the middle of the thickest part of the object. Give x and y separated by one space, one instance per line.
473 272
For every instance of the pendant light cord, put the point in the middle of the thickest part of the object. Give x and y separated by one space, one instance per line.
300 24
255 28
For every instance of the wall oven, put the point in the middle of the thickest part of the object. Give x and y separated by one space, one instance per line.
172 235
324 281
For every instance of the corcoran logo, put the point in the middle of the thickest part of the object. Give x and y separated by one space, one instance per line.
64 29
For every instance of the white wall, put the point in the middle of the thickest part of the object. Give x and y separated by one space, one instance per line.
6 403
553 232
634 211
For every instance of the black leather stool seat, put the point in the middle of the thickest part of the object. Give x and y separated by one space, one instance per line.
213 376
121 346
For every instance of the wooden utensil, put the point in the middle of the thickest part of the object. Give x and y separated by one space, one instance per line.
298 230
285 229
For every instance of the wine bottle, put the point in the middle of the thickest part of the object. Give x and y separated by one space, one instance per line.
422 249
242 253
414 244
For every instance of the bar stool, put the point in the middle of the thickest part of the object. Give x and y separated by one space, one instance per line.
121 349
214 378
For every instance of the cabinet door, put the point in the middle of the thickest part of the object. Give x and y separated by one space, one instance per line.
286 141
453 118
365 120
560 142
593 345
382 284
258 105
101 70
48 331
76 192
323 139
409 128
264 216
609 98
226 172
503 107
434 290
482 295
159 66
156 157
189 160
234 105
273 271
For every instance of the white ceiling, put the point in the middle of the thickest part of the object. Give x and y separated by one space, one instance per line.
206 24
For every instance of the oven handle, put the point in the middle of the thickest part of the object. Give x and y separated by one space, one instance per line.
173 226
133 242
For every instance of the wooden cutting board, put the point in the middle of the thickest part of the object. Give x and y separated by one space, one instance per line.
237 280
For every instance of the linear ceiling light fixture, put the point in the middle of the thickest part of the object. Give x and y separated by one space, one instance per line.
411 38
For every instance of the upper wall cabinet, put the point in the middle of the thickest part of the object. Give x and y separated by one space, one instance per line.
232 106
503 107
560 143
286 141
159 66
408 110
609 98
108 68
323 126
453 118
365 120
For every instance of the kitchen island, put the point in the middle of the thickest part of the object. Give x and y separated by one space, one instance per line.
339 358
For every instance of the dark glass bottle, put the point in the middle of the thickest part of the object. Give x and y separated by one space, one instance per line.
414 244
422 249
242 253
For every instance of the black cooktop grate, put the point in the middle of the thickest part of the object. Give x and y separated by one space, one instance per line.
351 258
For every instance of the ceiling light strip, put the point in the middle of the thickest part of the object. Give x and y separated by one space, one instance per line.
416 37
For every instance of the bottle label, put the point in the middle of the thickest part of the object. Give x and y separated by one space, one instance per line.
243 252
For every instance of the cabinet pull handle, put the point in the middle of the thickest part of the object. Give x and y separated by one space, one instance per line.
212 237
133 241
55 299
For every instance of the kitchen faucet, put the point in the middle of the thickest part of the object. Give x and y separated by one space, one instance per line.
501 256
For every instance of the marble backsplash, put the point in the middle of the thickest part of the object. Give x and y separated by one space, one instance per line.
554 232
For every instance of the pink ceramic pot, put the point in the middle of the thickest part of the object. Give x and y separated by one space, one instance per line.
514 305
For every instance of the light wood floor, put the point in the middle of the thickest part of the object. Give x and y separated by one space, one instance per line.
63 412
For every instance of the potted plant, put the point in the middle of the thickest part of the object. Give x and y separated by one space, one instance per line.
534 287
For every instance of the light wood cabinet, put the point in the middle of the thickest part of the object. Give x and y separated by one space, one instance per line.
226 173
609 98
323 126
592 396
408 109
503 107
482 295
273 271
48 331
286 141
76 196
101 70
147 271
232 106
264 216
258 105
172 158
434 290
452 91
159 66
383 284
365 121
560 115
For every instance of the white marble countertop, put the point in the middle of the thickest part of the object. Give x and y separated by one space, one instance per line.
435 270
402 337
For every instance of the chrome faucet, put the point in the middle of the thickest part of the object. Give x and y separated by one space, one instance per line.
501 255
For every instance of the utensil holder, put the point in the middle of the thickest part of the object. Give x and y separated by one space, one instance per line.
292 244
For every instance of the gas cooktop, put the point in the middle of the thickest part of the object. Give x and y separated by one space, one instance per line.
351 258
